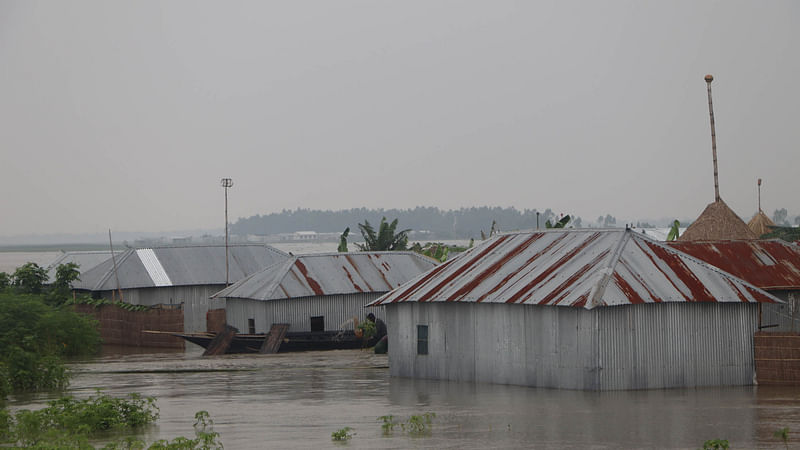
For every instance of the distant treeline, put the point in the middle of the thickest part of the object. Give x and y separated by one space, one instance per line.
462 223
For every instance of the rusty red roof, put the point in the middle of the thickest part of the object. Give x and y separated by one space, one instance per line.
581 268
768 264
330 274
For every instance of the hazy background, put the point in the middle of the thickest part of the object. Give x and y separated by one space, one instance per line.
124 115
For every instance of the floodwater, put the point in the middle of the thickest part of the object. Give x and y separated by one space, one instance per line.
9 261
297 400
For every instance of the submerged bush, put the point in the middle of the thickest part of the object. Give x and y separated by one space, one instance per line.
68 422
34 337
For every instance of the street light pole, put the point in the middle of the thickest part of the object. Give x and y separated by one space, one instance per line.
226 183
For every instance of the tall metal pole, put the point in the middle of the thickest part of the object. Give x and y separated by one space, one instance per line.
114 259
759 195
226 183
709 79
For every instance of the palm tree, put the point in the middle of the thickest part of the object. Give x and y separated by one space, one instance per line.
385 240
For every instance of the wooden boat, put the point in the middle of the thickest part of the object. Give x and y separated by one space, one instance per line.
291 342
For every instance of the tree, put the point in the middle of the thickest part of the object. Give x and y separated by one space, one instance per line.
577 222
343 241
5 280
66 274
30 278
797 220
386 239
779 217
562 223
609 220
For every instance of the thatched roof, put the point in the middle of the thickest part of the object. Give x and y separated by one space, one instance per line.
760 224
717 222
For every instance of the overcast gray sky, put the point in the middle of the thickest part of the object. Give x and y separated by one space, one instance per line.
124 115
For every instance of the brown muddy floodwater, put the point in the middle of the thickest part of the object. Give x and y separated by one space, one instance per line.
297 400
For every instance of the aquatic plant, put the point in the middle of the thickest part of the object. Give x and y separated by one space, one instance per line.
783 434
388 424
342 434
68 422
417 424
716 444
205 436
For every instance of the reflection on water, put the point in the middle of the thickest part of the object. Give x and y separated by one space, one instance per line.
296 400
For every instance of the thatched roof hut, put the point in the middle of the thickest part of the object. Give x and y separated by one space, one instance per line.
717 222
760 224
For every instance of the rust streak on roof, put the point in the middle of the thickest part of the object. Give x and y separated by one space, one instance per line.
492 269
312 283
550 270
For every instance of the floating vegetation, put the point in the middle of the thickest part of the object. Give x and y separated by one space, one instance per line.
342 434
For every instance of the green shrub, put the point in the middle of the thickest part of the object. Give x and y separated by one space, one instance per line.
34 337
68 422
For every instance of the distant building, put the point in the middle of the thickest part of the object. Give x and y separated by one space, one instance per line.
185 275
575 309
317 292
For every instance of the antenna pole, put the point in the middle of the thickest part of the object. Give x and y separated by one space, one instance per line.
709 79
114 259
759 195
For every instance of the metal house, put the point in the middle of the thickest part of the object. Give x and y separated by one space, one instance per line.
176 275
317 292
773 265
575 309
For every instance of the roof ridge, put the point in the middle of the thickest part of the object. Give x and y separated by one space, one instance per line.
596 297
711 267
114 265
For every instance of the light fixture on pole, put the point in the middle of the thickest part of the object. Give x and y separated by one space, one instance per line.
226 183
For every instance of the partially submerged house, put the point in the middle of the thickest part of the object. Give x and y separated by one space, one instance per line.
317 292
575 309
176 275
772 265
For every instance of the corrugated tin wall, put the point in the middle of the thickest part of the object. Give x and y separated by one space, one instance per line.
622 347
786 316
337 309
676 345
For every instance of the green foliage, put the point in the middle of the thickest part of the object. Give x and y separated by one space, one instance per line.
417 424
788 234
561 223
96 302
34 337
783 435
716 444
5 280
342 434
438 250
205 437
30 278
388 424
343 241
66 274
386 239
368 329
68 423
674 231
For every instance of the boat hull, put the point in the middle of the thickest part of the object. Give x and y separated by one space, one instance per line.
292 342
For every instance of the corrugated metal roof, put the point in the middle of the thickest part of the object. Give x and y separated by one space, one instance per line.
329 274
85 261
179 266
768 264
581 268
